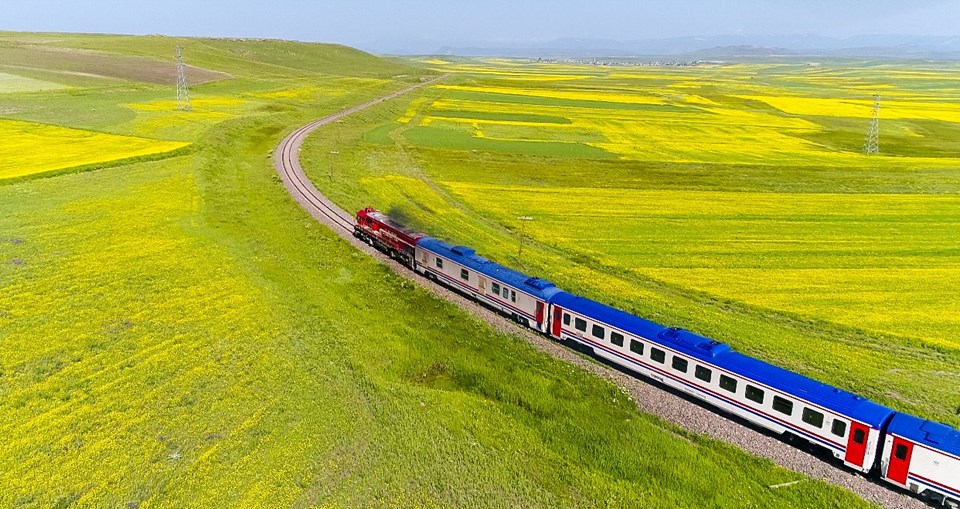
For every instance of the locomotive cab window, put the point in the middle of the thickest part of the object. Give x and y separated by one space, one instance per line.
636 347
812 417
703 373
784 406
597 331
658 355
439 263
464 275
859 436
495 288
754 394
580 324
839 428
901 452
728 384
566 318
680 364
616 338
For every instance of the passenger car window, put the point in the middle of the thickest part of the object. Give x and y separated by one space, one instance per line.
566 319
464 275
859 436
839 428
680 364
580 324
658 355
901 452
754 394
703 373
439 263
728 384
812 417
636 346
616 338
784 406
495 288
597 331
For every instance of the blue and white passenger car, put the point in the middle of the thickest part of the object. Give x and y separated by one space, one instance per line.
847 425
924 457
515 294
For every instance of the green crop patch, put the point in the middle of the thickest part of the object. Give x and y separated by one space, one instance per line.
514 117
14 83
493 97
438 137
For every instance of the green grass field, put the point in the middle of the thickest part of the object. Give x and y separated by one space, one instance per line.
729 200
179 333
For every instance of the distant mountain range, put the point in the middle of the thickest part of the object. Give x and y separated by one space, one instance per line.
712 47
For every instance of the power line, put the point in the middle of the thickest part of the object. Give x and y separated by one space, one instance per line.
871 145
183 94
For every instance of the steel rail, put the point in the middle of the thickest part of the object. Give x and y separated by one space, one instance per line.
287 162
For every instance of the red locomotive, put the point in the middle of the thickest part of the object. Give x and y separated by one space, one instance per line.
394 239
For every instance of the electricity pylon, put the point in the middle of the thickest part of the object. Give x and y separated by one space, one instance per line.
183 94
872 144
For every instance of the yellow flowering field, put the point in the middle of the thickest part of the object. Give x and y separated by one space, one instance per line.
733 200
604 96
161 119
686 115
890 109
30 148
803 253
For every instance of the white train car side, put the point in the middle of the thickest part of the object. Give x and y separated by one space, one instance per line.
849 426
924 457
517 295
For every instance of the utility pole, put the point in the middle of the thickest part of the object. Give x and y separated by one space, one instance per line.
183 94
333 159
523 220
871 146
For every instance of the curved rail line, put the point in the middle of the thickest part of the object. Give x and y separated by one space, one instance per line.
648 395
287 163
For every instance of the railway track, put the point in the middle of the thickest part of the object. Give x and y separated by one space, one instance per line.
287 163
649 396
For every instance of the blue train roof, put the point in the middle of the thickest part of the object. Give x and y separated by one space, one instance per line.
721 355
467 257
932 434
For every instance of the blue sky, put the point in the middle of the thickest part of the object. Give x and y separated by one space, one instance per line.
361 23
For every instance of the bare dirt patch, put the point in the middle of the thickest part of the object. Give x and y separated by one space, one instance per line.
140 69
